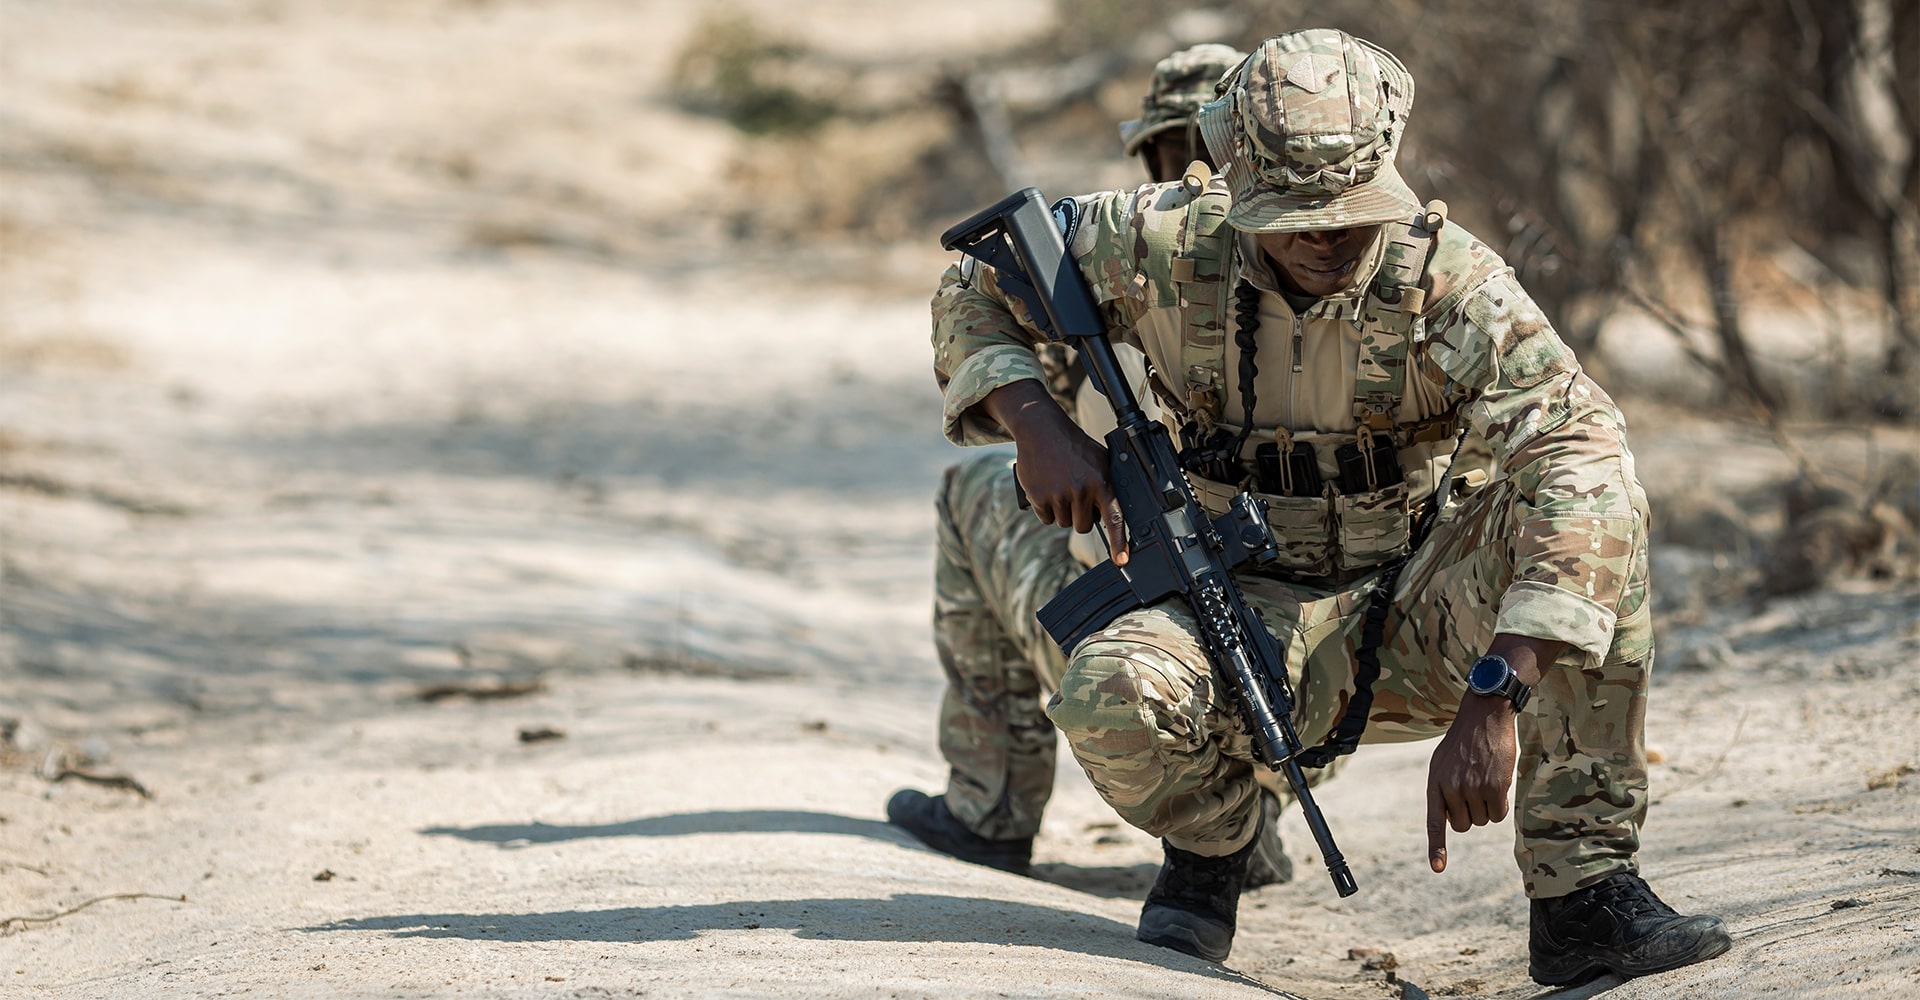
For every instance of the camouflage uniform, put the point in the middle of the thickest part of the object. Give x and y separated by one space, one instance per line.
999 743
1554 547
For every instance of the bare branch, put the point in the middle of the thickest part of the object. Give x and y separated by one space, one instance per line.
9 925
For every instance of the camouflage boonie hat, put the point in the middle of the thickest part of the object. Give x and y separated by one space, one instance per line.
1306 131
1181 83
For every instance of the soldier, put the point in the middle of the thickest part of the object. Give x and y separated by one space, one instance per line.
1322 338
1167 142
1165 137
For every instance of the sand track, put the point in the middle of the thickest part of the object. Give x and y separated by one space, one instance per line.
353 351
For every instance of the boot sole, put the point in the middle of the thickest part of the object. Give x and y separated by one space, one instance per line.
1169 932
1713 943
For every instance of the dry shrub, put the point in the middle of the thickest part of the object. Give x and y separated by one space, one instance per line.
874 179
1086 24
732 68
1833 533
830 147
1704 519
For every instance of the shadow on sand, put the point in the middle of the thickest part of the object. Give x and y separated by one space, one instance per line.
1109 881
1112 882
518 835
908 918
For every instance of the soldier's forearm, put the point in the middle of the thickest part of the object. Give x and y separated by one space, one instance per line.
1025 408
1528 656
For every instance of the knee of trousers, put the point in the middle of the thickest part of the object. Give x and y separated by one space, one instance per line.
1128 711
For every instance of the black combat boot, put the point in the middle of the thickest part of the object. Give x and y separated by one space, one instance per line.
1270 864
1616 925
1194 902
929 819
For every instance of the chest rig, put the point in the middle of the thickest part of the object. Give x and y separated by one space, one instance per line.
1332 527
1330 531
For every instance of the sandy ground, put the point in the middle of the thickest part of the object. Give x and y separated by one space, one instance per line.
354 353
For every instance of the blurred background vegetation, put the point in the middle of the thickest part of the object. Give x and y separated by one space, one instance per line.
1729 190
1715 202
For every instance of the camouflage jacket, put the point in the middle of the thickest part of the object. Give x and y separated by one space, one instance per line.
1485 352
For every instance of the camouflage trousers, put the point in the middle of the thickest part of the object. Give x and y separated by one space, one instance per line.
1162 743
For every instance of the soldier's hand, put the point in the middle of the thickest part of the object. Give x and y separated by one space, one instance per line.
1470 778
1065 477
1061 469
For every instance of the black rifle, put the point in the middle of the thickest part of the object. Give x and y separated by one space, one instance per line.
1173 546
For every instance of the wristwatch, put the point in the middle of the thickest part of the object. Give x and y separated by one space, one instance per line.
1492 675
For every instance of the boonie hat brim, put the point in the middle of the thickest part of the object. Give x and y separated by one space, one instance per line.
1136 133
1385 198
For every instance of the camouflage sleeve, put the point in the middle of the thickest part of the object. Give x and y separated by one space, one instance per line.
1561 440
984 338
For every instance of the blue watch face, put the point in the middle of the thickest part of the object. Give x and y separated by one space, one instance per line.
1488 674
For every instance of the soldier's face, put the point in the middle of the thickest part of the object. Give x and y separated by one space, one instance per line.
1318 263
1168 154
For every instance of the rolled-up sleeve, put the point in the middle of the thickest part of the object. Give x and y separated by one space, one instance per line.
982 340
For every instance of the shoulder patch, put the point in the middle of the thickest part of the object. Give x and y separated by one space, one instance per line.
1066 215
1526 349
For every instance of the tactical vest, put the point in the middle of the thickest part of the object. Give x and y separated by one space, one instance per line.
1335 534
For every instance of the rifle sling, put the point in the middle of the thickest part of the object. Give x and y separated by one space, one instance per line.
1346 734
1345 737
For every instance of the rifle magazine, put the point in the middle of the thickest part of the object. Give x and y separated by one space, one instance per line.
1088 605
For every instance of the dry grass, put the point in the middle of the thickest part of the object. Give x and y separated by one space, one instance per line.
29 269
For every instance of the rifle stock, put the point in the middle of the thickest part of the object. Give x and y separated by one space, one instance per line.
1174 547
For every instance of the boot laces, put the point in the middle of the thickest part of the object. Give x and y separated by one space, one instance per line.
1196 878
1628 898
